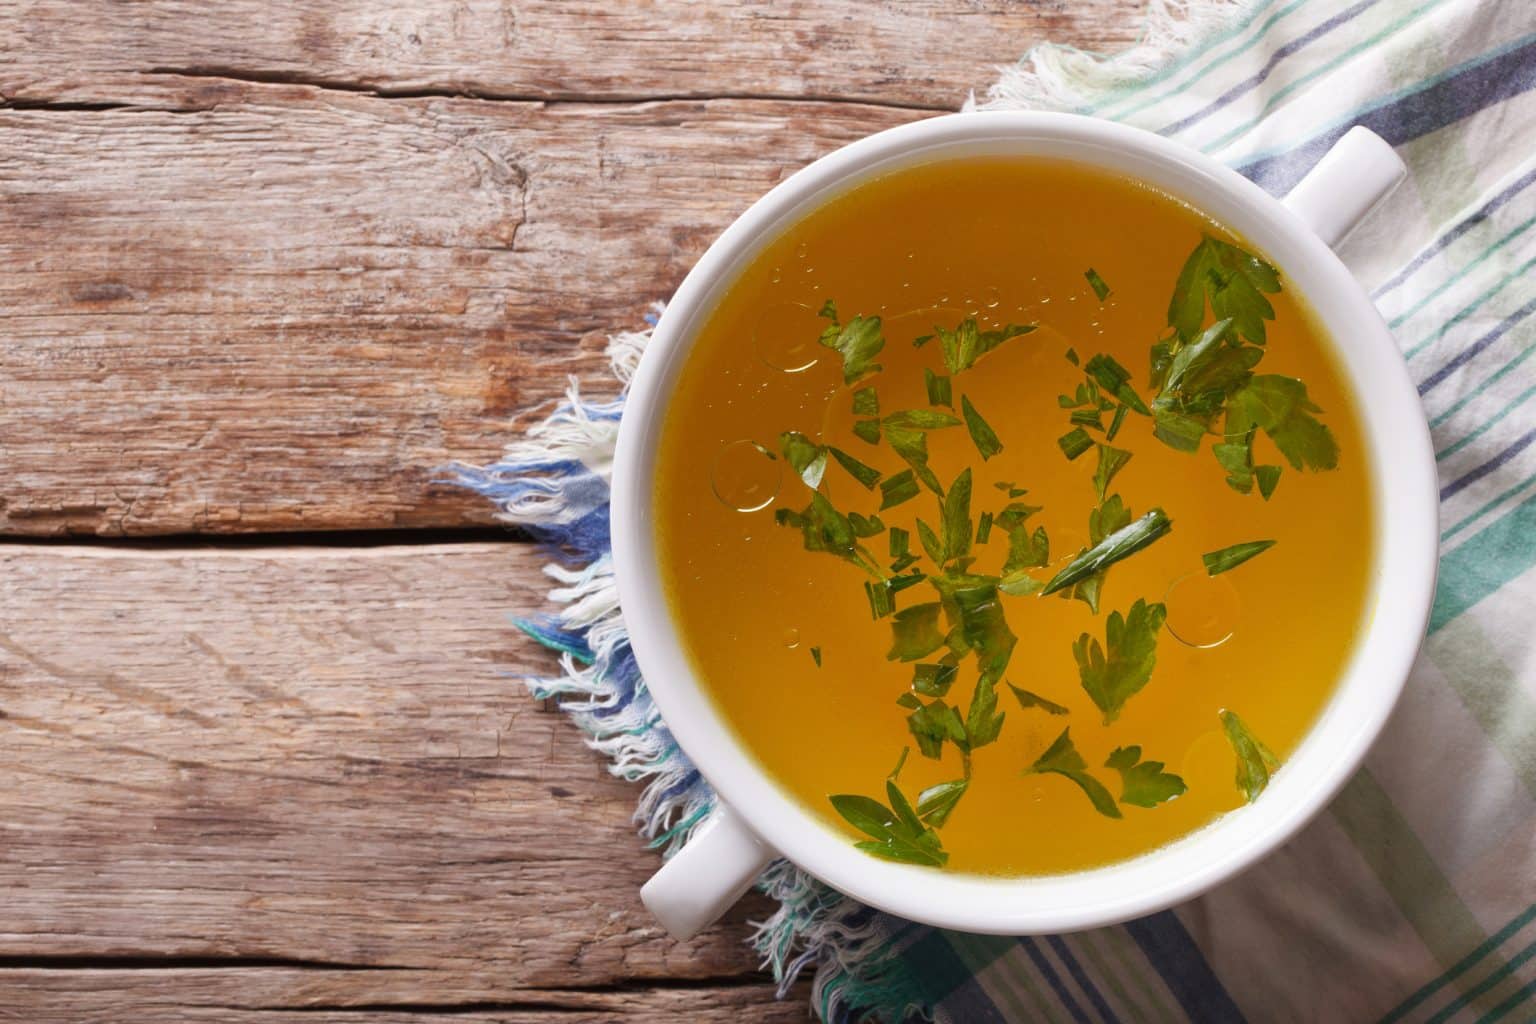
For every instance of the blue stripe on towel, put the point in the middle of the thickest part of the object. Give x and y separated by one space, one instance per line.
1458 94
1173 953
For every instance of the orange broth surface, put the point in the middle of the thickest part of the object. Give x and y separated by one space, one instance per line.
1006 241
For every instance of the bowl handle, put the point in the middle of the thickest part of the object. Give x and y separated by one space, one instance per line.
706 876
1340 189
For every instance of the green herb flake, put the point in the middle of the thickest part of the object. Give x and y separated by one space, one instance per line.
936 803
1088 418
1103 520
1232 281
900 540
1015 512
865 526
1177 430
900 762
1280 406
1027 550
1196 360
939 390
932 724
982 434
858 342
823 528
1074 442
933 679
1255 762
896 489
1029 699
866 402
1111 461
1116 422
881 601
1111 674
912 446
1062 758
867 476
896 833
807 458
930 542
983 527
1020 584
1268 477
1122 543
956 520
1235 455
1114 379
867 431
1072 357
967 343
983 722
920 419
816 656
915 632
1217 562
976 619
1097 284
1143 783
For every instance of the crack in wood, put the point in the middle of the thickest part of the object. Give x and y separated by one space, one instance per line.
423 1009
194 542
572 992
65 106
149 962
323 82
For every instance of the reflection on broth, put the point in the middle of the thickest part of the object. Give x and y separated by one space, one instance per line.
1014 516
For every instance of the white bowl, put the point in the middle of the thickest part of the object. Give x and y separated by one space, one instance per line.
758 820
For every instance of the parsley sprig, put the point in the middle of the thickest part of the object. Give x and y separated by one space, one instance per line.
1205 374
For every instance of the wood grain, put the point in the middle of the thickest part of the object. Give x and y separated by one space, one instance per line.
235 306
315 761
922 53
282 996
276 307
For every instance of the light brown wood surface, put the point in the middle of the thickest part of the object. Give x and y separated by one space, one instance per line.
241 304
319 762
266 268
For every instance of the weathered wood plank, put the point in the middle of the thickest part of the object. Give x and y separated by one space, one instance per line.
315 755
916 52
236 307
273 307
278 996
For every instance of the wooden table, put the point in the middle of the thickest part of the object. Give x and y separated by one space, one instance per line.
263 269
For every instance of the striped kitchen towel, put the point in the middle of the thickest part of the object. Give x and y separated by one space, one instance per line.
1411 899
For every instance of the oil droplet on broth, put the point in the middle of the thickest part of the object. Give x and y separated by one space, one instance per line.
791 638
745 477
991 296
785 337
1208 757
1202 610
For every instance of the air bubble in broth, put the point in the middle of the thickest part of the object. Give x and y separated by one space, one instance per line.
785 337
1203 610
745 476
